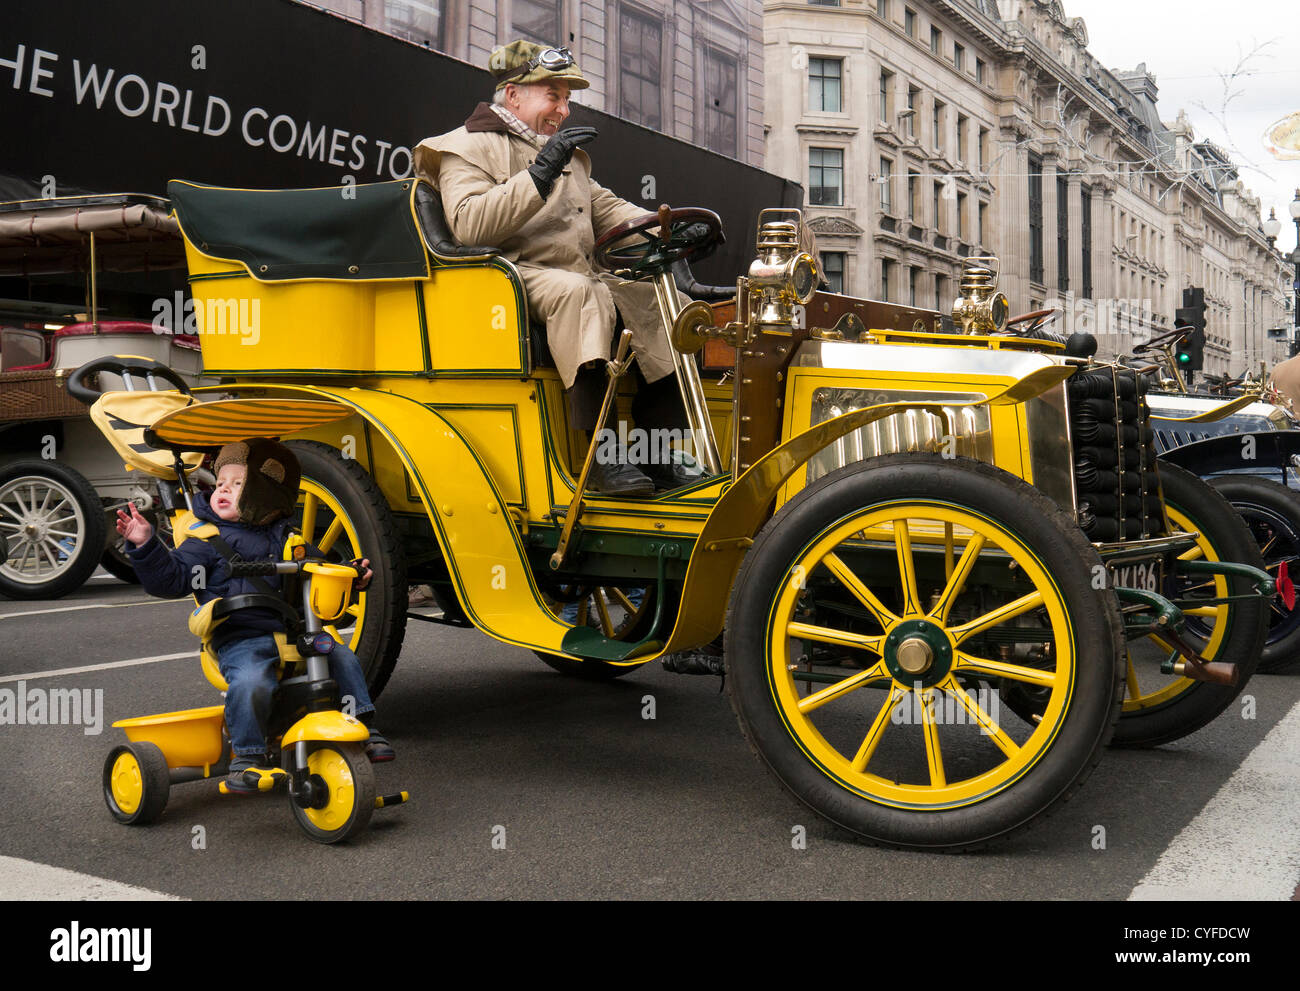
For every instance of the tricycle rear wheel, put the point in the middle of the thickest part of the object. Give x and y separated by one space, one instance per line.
136 783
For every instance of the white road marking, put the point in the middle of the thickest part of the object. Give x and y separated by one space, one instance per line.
28 881
91 605
1245 844
60 672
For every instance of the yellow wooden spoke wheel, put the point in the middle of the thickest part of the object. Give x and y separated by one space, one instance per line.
343 791
342 512
870 625
1159 708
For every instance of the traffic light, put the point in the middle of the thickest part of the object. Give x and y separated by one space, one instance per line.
1192 315
1183 352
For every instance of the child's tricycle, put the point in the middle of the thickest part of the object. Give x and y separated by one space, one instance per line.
320 747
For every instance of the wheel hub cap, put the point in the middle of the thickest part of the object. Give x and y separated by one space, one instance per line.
918 651
915 655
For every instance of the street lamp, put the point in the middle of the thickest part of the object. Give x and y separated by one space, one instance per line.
1295 286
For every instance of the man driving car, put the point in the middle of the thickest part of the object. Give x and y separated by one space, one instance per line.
510 178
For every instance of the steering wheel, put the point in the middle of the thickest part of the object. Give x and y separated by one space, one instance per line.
656 253
124 365
1037 320
1160 341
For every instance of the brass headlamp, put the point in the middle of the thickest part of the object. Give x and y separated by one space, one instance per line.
980 309
782 275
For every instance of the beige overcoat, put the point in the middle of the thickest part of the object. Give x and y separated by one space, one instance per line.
1286 379
490 199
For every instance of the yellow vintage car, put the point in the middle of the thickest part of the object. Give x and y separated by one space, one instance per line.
938 565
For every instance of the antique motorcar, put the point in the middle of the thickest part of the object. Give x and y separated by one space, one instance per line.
58 476
942 568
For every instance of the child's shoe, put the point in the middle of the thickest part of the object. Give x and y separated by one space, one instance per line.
250 775
378 749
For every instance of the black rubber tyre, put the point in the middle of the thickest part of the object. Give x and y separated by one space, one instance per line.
136 783
334 487
54 528
1167 707
1272 513
117 564
823 558
349 783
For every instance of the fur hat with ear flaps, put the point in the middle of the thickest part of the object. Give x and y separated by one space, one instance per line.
271 486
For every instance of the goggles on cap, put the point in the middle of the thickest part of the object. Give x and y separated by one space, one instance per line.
553 59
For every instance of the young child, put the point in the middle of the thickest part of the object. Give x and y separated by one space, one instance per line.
257 488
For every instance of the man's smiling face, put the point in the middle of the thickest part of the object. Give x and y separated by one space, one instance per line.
542 106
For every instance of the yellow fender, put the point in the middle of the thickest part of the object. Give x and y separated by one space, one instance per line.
743 509
330 725
474 528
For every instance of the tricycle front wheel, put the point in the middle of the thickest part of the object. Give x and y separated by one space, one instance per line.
136 783
345 786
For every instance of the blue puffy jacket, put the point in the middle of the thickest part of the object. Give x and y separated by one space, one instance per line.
169 573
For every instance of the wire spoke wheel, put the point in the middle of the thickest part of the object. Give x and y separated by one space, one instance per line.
870 625
53 526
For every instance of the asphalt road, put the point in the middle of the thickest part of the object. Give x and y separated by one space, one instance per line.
593 800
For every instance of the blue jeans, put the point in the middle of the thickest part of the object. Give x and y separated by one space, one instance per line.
249 667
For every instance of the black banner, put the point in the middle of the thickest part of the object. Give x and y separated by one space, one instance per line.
122 95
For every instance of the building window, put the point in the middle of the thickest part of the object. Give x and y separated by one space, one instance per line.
936 39
961 216
825 176
882 9
979 71
1062 233
984 148
958 57
962 124
833 269
1085 233
940 291
909 21
824 3
938 209
640 43
913 98
420 21
912 280
937 125
983 219
886 89
886 277
537 21
1035 219
720 102
886 179
913 192
824 85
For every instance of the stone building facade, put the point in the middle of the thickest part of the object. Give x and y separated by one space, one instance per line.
693 70
928 131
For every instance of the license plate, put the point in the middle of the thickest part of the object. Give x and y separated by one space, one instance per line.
1146 575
